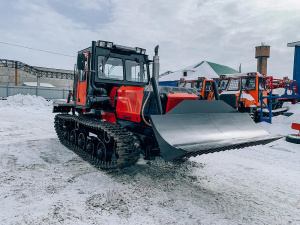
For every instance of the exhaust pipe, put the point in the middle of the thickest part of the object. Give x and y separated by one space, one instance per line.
154 80
155 67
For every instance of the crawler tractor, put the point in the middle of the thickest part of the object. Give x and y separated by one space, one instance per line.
119 112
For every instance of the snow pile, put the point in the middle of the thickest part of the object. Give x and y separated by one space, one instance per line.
20 100
282 124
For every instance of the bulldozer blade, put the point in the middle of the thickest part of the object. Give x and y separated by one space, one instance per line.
197 127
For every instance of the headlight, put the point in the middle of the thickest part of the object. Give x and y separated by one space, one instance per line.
104 44
101 43
143 51
109 44
138 50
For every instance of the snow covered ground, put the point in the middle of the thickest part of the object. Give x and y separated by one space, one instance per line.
42 182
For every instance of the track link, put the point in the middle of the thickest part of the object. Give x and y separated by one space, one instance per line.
126 145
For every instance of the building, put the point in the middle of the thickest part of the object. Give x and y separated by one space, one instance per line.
203 69
24 73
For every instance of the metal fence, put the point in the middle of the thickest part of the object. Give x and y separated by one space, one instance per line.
39 72
47 93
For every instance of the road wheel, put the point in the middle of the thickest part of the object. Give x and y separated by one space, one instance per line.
81 141
101 151
73 137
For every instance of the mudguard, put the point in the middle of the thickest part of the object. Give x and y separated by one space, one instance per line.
59 107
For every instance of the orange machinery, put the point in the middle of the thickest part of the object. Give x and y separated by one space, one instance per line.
206 87
243 91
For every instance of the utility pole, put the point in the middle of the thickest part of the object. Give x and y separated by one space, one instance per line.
38 84
16 73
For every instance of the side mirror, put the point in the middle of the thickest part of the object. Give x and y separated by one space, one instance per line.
81 61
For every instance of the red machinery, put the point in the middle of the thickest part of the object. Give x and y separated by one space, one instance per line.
119 112
282 87
273 83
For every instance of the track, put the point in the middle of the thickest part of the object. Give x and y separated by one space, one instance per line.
114 147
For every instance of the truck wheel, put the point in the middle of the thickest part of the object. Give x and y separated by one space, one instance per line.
293 138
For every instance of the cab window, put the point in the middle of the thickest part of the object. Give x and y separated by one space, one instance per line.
82 73
248 83
136 71
262 83
207 86
110 68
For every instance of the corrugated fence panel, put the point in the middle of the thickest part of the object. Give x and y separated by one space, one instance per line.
47 93
3 91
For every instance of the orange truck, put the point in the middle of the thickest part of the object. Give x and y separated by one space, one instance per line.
206 87
243 91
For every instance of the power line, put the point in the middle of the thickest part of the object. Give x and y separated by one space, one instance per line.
35 49
40 50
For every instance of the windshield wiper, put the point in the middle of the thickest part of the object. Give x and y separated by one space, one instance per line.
104 60
141 65
111 70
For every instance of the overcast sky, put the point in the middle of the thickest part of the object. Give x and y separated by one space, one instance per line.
188 32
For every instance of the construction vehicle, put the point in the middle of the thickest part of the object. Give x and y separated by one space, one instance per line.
206 87
281 87
279 83
119 112
243 92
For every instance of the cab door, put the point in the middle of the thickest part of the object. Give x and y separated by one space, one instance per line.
82 84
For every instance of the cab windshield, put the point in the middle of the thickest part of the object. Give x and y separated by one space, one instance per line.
110 68
223 84
198 85
188 85
113 68
234 84
181 84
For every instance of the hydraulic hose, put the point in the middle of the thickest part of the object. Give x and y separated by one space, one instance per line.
143 117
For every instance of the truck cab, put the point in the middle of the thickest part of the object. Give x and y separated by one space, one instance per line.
203 85
243 91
